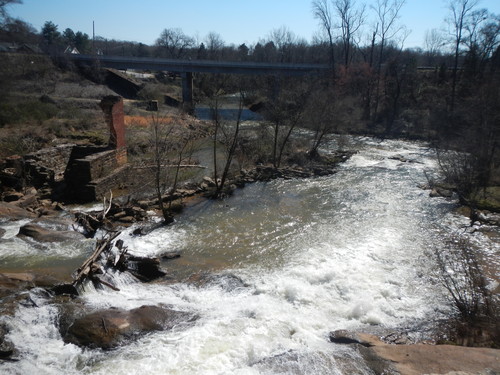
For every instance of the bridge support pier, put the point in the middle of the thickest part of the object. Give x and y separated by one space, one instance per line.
187 92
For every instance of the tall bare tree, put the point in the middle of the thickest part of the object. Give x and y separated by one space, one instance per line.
489 37
284 40
457 21
321 116
225 130
434 42
352 19
214 46
322 11
161 150
387 14
230 140
284 110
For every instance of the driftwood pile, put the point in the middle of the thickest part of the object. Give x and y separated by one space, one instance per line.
108 256
92 267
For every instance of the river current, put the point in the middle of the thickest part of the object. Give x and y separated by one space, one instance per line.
287 261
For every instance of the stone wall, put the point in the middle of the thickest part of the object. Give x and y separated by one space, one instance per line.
71 172
47 166
84 175
118 179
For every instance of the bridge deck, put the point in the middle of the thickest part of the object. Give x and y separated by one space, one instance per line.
201 66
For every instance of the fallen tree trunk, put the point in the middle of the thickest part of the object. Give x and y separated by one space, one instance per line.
90 268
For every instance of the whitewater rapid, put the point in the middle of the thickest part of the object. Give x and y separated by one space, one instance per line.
287 262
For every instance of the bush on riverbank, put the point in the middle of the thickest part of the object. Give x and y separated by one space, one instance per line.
462 273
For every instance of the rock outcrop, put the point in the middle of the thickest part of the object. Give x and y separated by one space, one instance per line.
110 328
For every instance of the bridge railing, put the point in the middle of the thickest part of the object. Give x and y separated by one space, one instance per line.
200 66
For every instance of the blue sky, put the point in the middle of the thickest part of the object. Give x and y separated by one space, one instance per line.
237 21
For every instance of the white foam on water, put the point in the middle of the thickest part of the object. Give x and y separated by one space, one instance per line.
341 252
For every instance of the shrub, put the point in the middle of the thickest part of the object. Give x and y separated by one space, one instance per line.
20 144
30 111
461 273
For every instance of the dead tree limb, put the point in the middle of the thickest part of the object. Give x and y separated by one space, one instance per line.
85 270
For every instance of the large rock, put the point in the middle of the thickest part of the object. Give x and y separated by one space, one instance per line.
145 269
109 328
6 347
15 282
10 211
434 359
41 234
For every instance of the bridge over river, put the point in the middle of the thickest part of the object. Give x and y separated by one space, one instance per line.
186 68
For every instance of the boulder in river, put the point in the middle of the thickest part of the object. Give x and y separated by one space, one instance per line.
110 328
12 212
41 234
6 347
145 269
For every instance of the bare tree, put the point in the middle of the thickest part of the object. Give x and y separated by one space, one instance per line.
489 37
321 117
3 8
387 14
214 46
461 273
225 131
160 150
230 141
459 11
174 43
285 108
284 40
323 12
160 146
352 19
434 42
473 26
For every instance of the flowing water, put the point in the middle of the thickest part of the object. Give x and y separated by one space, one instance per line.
293 261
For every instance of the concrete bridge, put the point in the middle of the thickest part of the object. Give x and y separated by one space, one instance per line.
186 68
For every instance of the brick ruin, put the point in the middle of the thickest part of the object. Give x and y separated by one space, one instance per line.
73 172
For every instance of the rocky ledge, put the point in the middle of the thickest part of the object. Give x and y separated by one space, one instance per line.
416 359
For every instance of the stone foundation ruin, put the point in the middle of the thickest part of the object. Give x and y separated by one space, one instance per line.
74 172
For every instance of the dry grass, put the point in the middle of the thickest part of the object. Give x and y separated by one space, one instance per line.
145 121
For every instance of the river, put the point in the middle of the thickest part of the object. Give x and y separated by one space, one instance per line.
293 259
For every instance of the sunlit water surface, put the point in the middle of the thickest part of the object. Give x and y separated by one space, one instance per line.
296 259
